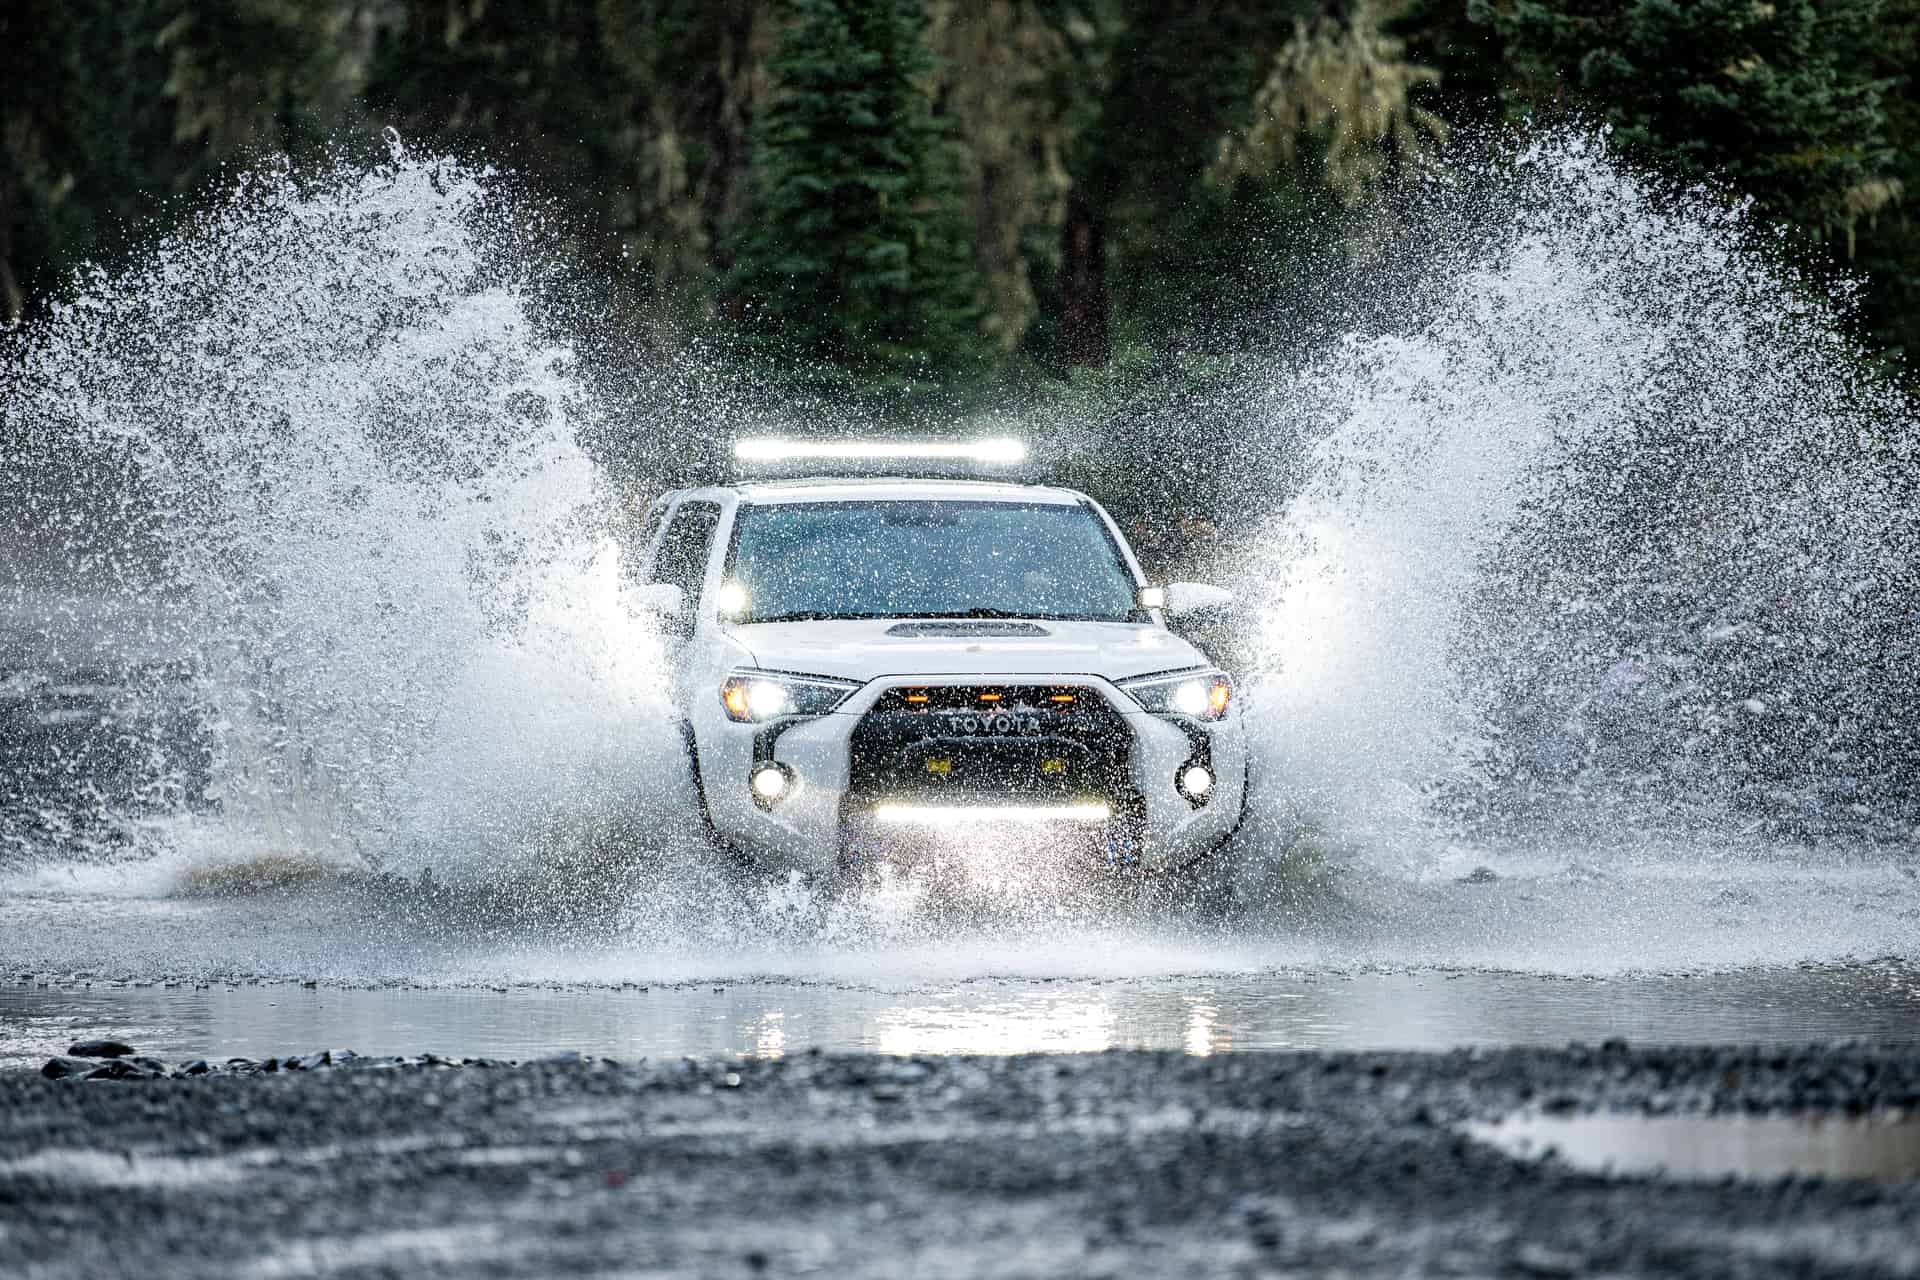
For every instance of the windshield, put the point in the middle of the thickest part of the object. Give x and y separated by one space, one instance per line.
929 559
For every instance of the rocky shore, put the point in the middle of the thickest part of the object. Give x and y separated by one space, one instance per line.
1104 1165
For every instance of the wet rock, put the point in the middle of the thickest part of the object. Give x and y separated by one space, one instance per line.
61 1068
1466 1210
198 1067
313 1061
119 1069
1538 1260
1480 875
100 1049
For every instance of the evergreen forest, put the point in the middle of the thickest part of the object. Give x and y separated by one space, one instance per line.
898 195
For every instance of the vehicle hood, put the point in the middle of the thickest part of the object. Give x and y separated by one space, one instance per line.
869 648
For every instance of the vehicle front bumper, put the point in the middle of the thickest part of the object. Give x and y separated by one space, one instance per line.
805 830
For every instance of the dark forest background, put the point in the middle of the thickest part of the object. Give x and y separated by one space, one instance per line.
913 194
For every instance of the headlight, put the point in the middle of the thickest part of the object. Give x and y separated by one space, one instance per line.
1195 695
750 697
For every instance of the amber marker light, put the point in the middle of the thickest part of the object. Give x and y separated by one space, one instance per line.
734 698
1217 696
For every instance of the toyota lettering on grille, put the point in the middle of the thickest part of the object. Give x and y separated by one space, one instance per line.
992 722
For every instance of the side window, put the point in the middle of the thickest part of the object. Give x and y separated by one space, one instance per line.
683 551
645 541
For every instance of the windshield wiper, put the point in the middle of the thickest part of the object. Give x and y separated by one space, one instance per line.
983 612
806 615
1031 616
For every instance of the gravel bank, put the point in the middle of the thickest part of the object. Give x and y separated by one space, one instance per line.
1108 1165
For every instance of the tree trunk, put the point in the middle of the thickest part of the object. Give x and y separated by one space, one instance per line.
1083 285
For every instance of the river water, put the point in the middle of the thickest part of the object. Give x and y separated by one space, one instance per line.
1579 630
1199 1014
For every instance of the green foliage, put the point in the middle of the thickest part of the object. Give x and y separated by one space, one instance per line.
1888 243
852 267
85 150
141 100
902 194
1779 98
249 74
1173 80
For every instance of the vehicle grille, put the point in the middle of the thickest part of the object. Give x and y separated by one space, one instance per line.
944 744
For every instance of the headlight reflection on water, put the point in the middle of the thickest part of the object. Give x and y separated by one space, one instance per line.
1068 1024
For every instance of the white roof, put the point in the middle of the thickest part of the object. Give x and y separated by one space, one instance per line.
882 489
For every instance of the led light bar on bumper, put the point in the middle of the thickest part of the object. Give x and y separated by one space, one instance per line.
962 815
1193 695
754 697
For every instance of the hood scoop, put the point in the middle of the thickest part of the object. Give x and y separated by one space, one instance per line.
966 629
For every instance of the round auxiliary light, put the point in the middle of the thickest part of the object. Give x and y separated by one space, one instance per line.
770 782
1196 780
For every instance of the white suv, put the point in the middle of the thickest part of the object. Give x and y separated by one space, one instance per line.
862 665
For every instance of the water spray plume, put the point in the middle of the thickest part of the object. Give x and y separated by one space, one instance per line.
1599 534
1620 536
377 540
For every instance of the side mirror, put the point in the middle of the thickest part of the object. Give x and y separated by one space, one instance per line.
662 598
1194 599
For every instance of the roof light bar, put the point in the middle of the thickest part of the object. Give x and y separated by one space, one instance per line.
1001 450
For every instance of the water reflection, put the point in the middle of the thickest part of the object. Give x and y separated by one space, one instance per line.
1694 1147
1199 1015
1064 1022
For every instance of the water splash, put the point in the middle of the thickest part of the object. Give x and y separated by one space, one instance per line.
1620 538
1594 478
362 516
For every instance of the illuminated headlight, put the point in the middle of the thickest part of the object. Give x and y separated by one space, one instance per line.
754 697
1196 695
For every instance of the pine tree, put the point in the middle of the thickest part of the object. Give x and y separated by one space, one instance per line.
1889 243
853 265
1780 98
